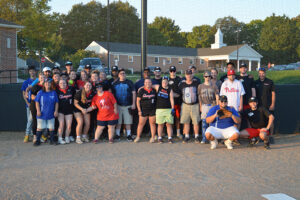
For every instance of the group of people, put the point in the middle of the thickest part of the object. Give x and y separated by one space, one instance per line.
79 107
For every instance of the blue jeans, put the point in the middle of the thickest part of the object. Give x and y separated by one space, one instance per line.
204 127
28 130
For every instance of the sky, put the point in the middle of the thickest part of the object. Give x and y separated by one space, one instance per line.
190 13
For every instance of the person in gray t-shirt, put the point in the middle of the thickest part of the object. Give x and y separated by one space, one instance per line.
208 97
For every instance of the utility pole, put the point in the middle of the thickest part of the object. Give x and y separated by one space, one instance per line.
108 33
237 50
144 36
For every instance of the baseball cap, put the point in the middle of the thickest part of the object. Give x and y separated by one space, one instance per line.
46 69
115 68
49 80
223 98
146 69
262 69
165 77
99 85
172 68
231 72
230 63
87 66
64 74
68 63
243 65
121 70
55 67
188 71
192 67
207 73
157 69
253 99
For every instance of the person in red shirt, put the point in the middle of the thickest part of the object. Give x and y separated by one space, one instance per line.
107 114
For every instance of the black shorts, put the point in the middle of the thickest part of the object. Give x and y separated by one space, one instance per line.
66 111
148 113
105 123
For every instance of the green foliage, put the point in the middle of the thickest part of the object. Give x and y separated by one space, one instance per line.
252 33
155 37
80 54
200 37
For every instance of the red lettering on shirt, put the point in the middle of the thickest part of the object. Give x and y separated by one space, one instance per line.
231 89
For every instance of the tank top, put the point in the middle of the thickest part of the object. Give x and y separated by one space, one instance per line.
163 98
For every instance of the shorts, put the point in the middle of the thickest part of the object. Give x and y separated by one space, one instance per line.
124 115
177 109
253 132
164 116
220 133
148 113
68 111
188 113
105 123
43 124
204 110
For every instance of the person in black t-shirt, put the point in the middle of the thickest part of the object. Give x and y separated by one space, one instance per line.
114 75
260 120
83 100
65 96
146 103
157 76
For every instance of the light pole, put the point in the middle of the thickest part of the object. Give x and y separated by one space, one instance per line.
237 49
108 33
144 36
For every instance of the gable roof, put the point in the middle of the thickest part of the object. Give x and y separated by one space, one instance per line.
8 24
221 51
151 49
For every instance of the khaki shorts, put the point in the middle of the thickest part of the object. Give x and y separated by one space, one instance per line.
188 113
124 115
164 116
204 110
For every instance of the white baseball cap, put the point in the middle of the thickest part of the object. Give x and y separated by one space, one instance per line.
46 69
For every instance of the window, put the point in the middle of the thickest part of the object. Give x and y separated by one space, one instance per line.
156 59
180 60
201 61
116 58
192 61
130 58
169 61
8 43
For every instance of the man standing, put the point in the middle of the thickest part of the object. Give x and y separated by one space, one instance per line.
157 76
69 67
87 69
190 106
194 70
234 91
222 119
28 82
214 78
114 75
174 84
125 95
260 120
208 97
229 66
266 95
140 83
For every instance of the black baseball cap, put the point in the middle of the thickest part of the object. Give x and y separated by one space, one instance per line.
68 63
172 68
188 71
192 67
99 85
223 98
115 68
243 65
253 99
55 67
87 66
157 69
121 70
146 69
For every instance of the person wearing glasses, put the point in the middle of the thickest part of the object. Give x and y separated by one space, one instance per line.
208 97
174 84
222 128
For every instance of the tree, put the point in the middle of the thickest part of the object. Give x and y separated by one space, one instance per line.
252 32
155 37
201 37
168 28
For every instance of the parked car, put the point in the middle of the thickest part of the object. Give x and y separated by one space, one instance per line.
95 63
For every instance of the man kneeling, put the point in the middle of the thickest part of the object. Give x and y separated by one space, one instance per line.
222 120
260 121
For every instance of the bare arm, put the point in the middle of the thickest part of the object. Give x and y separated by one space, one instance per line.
241 103
76 104
138 105
236 119
25 98
56 110
212 118
270 122
91 108
172 99
115 108
272 107
38 109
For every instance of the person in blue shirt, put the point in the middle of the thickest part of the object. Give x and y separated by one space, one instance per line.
32 74
46 102
222 126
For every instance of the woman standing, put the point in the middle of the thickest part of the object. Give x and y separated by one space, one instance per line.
107 114
164 109
146 102
65 95
46 102
82 101
83 79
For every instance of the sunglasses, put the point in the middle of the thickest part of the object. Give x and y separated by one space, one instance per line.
223 101
122 73
172 71
206 76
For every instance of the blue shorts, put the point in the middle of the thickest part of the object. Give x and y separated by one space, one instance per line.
105 123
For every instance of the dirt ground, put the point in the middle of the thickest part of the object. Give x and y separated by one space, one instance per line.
126 170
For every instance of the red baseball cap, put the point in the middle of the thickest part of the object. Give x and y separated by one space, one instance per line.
231 72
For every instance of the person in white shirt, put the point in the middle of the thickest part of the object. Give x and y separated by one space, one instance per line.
234 91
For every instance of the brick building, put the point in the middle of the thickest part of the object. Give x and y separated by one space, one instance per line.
8 51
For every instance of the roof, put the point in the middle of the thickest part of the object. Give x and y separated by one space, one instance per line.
215 52
8 24
151 49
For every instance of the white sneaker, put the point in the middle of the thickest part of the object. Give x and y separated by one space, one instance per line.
85 139
67 139
228 144
61 141
137 139
71 139
213 144
152 140
78 141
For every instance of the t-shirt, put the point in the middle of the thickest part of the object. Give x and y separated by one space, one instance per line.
65 99
174 84
222 123
207 93
80 84
195 78
163 98
123 92
47 101
264 91
148 99
233 90
89 98
189 92
257 118
248 84
105 105
156 81
25 85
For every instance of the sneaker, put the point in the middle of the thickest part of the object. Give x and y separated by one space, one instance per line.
34 139
137 139
170 141
228 144
43 139
85 139
197 140
129 138
61 141
203 142
236 142
95 141
67 140
117 137
267 145
253 141
152 140
78 141
179 136
160 141
111 141
71 139
26 138
213 144
186 140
